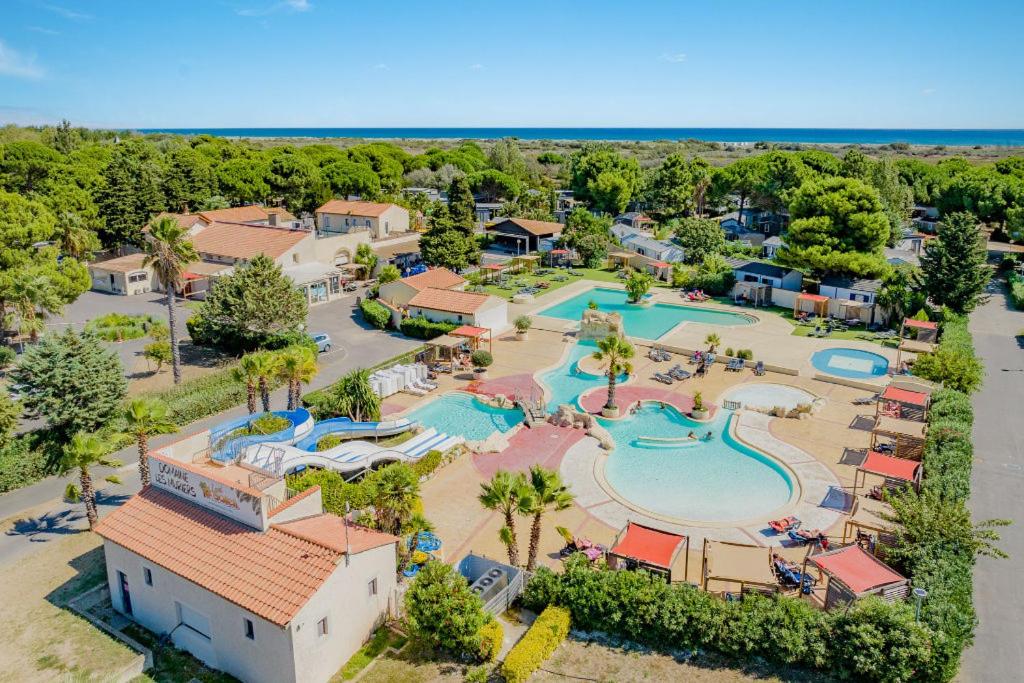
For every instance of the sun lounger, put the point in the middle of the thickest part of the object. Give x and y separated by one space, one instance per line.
759 368
663 378
735 364
677 373
784 524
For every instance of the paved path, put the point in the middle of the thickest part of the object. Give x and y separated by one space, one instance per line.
354 347
997 480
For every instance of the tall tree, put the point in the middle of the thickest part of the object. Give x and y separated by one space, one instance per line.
264 367
168 252
589 235
617 352
699 237
147 417
442 613
897 198
297 367
670 189
954 265
509 494
603 178
547 494
744 177
130 193
395 491
83 453
443 244
354 398
461 205
780 175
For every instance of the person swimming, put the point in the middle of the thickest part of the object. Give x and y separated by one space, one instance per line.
662 404
709 436
691 435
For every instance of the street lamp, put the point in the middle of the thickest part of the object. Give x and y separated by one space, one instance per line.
919 595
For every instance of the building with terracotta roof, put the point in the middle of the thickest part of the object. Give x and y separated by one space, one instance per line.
125 275
256 584
462 308
339 216
523 235
400 292
253 213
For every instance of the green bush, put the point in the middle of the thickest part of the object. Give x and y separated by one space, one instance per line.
953 364
22 463
951 404
118 327
375 313
328 442
491 637
728 351
7 356
745 354
201 397
441 611
334 490
481 358
546 634
1016 282
428 463
421 328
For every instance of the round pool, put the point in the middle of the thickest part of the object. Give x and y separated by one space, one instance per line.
850 363
767 396
657 469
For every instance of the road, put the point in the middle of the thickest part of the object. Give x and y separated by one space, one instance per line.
355 346
997 481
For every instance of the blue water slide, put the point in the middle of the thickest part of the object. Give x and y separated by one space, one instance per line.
226 449
347 429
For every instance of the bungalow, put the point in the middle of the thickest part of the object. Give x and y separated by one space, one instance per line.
339 216
487 211
771 246
463 308
749 270
736 231
850 289
401 292
659 250
901 257
188 558
636 220
523 235
124 275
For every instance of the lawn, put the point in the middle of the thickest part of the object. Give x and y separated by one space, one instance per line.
381 641
805 330
528 280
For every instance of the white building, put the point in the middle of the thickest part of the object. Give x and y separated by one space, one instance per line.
463 308
850 289
266 589
401 292
339 216
749 270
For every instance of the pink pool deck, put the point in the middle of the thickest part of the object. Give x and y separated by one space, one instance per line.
544 444
627 395
510 385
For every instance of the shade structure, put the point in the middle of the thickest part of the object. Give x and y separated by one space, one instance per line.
920 324
891 426
889 466
445 341
493 266
747 565
857 569
559 252
819 303
911 398
649 545
475 334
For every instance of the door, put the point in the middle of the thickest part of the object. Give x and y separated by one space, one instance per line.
126 596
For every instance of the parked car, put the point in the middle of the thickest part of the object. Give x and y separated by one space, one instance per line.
350 287
323 342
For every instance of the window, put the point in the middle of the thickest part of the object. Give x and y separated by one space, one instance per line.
137 277
147 576
372 586
295 258
250 631
321 627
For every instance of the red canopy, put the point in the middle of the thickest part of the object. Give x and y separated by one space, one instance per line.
920 324
559 251
812 297
856 568
469 331
913 398
889 466
493 266
660 264
648 545
192 276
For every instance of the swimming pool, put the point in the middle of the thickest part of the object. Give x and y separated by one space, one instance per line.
567 382
721 480
647 322
766 395
850 363
459 414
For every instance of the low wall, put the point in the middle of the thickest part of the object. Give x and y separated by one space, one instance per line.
855 384
82 605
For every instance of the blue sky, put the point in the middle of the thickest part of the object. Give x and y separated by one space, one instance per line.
794 63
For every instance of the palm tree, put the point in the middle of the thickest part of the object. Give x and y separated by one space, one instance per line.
617 351
355 398
298 365
712 340
169 251
83 453
396 489
247 371
547 493
147 417
264 366
33 298
509 494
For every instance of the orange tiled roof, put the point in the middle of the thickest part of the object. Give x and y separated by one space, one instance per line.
329 531
236 214
293 500
281 213
435 278
449 300
271 574
244 241
359 208
185 220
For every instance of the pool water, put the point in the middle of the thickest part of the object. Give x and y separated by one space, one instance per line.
721 480
850 363
567 382
769 396
646 322
459 414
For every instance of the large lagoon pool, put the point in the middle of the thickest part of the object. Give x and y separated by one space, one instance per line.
459 414
720 480
850 363
646 322
567 382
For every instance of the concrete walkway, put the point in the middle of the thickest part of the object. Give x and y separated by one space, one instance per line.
997 481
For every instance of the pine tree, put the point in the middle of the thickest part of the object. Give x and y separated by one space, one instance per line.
954 265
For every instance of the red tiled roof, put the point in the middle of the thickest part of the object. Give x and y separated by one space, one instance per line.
856 568
890 466
436 278
648 545
660 264
244 241
449 300
812 297
185 220
914 398
329 531
293 500
355 208
235 214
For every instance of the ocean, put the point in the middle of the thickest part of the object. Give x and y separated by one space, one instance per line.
835 136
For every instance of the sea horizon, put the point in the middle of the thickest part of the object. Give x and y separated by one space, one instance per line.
953 137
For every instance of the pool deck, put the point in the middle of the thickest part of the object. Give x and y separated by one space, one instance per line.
822 450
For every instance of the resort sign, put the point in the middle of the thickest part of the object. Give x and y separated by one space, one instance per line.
182 480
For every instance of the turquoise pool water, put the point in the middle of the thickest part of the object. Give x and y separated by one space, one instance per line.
647 322
566 382
460 414
851 363
720 480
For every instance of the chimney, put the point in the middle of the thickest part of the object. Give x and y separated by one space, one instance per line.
273 218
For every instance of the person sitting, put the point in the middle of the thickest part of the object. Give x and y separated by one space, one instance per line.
662 404
691 435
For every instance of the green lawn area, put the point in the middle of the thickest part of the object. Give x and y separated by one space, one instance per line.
380 642
527 280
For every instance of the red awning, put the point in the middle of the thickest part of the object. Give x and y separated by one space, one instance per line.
660 264
560 251
193 276
469 331
913 398
888 466
493 266
648 545
812 297
856 568
920 324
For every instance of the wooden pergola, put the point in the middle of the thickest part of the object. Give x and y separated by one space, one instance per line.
526 262
750 566
895 471
445 345
926 336
758 293
853 574
819 304
492 271
621 258
865 520
860 307
903 404
908 436
643 547
475 335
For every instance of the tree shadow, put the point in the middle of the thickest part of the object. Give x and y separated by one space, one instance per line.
48 526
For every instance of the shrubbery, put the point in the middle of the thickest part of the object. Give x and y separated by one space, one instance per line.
428 463
491 637
328 442
1016 283
21 463
953 363
421 328
375 313
481 358
118 327
203 396
546 634
442 612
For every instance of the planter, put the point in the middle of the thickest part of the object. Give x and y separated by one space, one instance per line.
701 414
610 412
522 336
479 373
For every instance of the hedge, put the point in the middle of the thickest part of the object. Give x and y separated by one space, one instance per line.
1016 283
22 463
491 637
201 397
953 363
375 313
428 463
546 634
421 328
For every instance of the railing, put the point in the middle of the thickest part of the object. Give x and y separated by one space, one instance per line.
504 599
